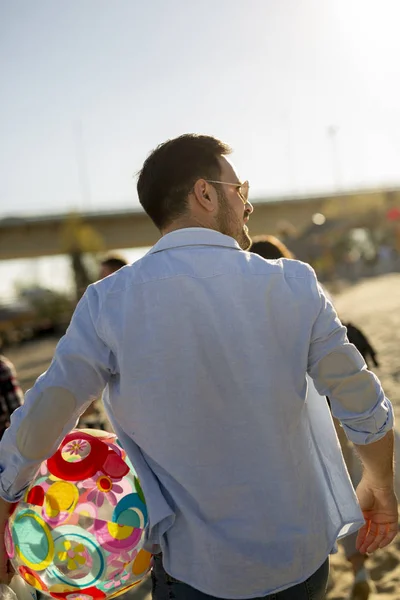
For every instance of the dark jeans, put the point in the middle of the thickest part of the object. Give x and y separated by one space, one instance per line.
168 588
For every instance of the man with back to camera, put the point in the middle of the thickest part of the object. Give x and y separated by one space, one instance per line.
206 392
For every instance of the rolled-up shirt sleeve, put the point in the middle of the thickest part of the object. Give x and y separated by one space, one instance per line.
340 372
79 371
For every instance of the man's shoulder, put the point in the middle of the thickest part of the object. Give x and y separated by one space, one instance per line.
297 268
118 281
287 267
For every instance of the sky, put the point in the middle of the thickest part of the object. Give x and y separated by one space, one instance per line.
306 91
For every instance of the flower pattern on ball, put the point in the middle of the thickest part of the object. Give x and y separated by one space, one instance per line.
119 564
120 573
102 487
72 554
77 448
119 580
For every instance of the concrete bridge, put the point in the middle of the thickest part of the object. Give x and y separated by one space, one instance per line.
28 237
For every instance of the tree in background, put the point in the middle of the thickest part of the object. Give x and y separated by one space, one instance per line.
81 242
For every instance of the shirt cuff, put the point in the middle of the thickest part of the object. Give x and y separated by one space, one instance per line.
5 489
369 430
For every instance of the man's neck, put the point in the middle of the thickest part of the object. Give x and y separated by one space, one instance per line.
185 223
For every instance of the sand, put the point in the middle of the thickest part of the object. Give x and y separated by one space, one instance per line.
374 305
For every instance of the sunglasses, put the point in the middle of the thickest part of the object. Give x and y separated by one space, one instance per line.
242 188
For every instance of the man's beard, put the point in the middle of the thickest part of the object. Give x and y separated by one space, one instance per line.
226 221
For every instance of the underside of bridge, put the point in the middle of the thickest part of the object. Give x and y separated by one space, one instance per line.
45 236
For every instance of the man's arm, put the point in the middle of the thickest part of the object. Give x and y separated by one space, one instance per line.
376 495
79 371
377 460
340 372
358 401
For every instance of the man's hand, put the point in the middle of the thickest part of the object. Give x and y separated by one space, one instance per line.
380 509
6 571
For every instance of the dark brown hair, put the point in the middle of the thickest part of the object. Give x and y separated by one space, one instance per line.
269 247
113 262
171 170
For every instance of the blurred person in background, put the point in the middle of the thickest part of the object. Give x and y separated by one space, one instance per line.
362 343
111 264
193 345
11 396
271 248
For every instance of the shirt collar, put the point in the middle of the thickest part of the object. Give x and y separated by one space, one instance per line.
194 236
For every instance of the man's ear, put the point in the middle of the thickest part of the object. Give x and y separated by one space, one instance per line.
205 195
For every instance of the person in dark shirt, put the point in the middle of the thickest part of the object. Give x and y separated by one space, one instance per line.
11 396
363 345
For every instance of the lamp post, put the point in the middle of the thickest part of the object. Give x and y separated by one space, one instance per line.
332 132
81 162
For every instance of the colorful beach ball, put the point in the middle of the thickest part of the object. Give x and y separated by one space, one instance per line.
78 533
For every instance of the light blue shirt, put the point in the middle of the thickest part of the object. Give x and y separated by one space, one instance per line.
204 350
